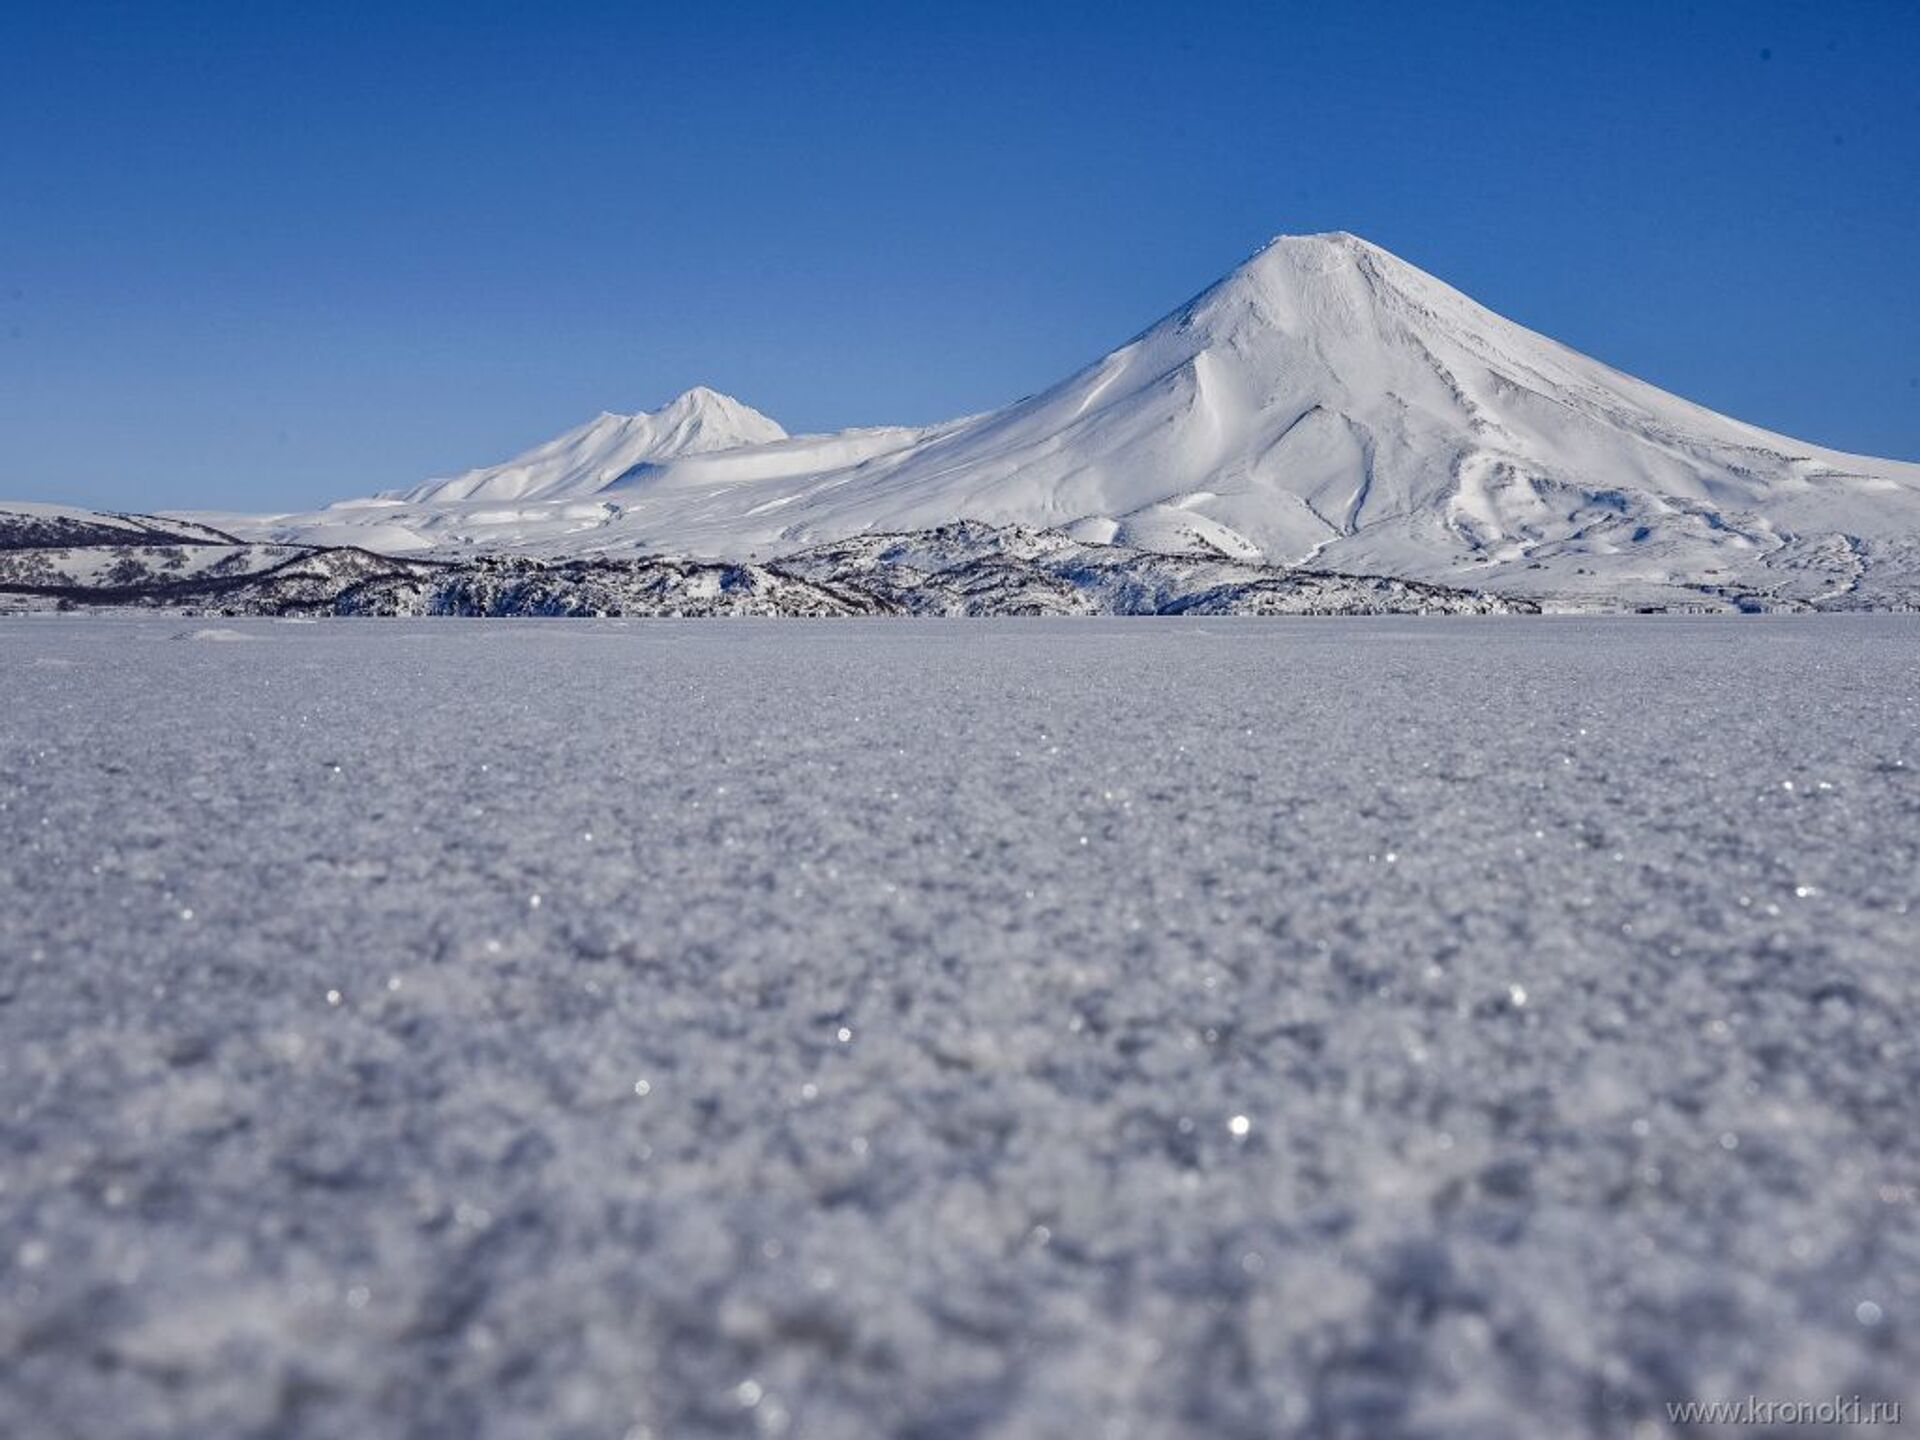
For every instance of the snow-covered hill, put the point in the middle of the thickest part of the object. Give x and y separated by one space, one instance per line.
1324 404
25 525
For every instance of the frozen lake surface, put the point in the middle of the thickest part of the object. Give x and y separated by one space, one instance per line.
945 1029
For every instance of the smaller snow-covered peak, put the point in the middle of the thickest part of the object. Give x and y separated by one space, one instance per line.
725 417
705 400
587 459
711 420
704 397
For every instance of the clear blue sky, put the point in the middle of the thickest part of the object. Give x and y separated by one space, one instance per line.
257 258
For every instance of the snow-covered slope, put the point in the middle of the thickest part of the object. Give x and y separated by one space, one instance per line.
1326 402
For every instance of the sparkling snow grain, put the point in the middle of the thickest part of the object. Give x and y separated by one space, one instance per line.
1371 1028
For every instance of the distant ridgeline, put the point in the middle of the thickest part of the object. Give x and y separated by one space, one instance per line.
80 560
1325 405
1325 412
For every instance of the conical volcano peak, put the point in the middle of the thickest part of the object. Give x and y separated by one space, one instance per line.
1320 285
1322 241
1335 288
1332 257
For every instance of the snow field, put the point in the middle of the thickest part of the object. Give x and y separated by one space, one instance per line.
1245 1028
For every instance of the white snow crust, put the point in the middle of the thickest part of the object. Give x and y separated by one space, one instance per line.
603 1029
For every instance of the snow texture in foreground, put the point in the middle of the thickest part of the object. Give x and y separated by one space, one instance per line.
934 1029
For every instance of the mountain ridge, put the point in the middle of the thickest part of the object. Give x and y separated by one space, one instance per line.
1324 403
79 560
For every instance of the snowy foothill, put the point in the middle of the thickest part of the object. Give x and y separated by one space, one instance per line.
864 1028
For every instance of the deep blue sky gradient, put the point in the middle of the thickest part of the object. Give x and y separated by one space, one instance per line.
263 256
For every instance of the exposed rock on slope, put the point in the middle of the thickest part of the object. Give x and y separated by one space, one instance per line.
967 569
28 526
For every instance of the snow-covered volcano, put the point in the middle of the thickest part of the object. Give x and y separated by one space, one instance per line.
1326 401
